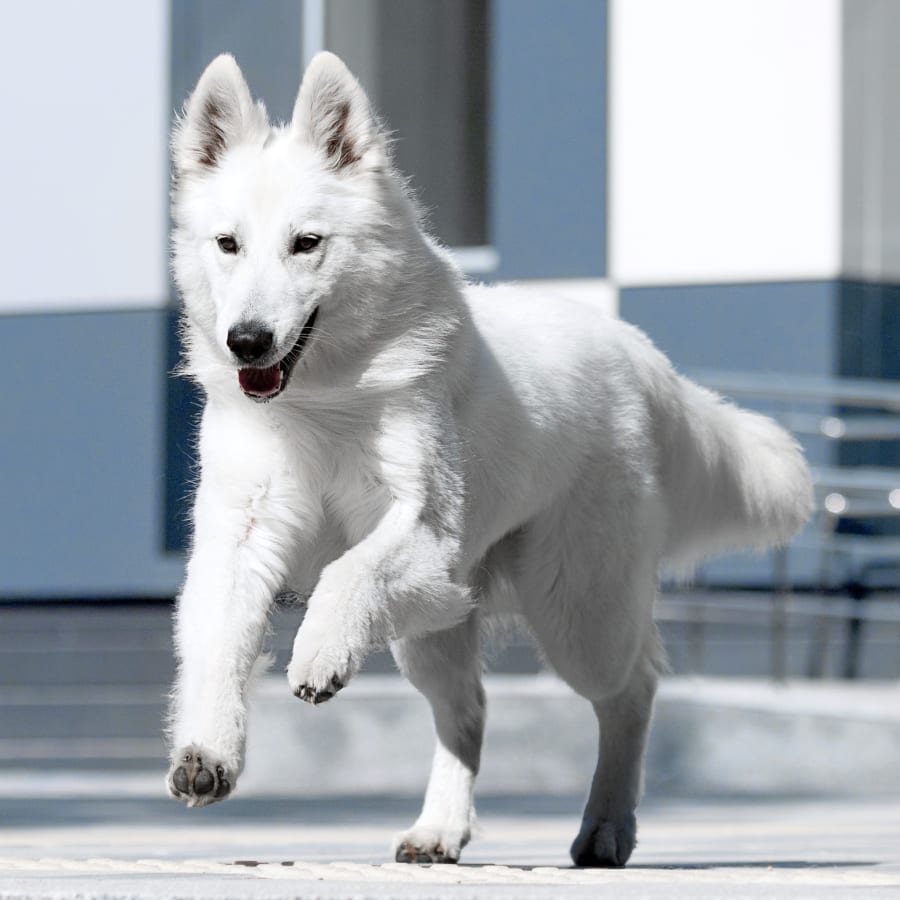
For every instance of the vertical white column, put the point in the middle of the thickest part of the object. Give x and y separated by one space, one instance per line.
313 24
84 157
724 140
871 162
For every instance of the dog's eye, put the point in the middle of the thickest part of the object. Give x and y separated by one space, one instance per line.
227 243
304 243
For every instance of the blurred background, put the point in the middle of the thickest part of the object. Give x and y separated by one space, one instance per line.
725 175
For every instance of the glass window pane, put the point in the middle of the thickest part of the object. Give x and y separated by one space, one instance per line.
424 65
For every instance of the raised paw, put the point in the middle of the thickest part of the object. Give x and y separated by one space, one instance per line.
425 845
311 694
322 663
604 843
197 778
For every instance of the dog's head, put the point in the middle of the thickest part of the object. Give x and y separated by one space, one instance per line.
278 229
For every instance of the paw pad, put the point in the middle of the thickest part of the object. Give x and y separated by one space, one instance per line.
309 694
408 852
197 783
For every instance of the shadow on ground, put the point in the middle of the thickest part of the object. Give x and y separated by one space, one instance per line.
25 812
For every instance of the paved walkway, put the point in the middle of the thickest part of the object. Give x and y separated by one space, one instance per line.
136 847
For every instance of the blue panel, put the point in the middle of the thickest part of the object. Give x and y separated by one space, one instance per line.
869 342
548 138
779 327
82 476
870 330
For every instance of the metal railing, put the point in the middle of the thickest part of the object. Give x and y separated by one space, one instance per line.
787 635
842 492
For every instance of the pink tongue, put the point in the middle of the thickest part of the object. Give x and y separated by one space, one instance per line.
260 382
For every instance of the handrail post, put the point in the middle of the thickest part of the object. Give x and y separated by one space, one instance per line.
779 614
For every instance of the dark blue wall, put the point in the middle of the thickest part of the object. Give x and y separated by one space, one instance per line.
548 138
778 327
83 478
869 329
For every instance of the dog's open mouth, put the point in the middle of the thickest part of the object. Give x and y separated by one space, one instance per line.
264 384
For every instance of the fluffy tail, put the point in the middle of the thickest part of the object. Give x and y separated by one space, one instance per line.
733 478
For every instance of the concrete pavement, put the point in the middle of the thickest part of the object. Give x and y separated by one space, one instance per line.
755 790
138 847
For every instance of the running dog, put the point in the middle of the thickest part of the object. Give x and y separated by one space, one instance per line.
418 456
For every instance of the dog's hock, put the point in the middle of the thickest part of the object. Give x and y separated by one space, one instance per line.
332 113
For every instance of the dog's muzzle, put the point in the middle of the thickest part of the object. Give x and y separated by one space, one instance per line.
267 383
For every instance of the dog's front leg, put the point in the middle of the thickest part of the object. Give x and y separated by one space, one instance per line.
399 581
446 668
395 583
236 567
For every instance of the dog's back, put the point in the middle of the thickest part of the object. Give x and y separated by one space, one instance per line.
568 394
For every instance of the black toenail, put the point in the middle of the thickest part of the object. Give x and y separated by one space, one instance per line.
220 771
186 758
203 783
180 779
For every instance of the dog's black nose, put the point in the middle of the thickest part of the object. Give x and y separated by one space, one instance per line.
250 341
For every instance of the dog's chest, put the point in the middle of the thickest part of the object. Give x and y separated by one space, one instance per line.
355 494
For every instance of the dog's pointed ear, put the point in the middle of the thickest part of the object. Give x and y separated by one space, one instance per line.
332 113
218 114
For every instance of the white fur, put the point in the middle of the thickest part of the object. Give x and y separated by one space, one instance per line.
442 454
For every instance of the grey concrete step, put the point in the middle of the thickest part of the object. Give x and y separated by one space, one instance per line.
710 736
95 711
83 688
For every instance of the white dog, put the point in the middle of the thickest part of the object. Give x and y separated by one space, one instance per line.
418 455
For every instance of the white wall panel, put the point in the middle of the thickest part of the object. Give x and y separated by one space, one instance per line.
83 170
724 140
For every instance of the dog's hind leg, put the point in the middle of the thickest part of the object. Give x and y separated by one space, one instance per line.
445 666
608 827
587 586
623 706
